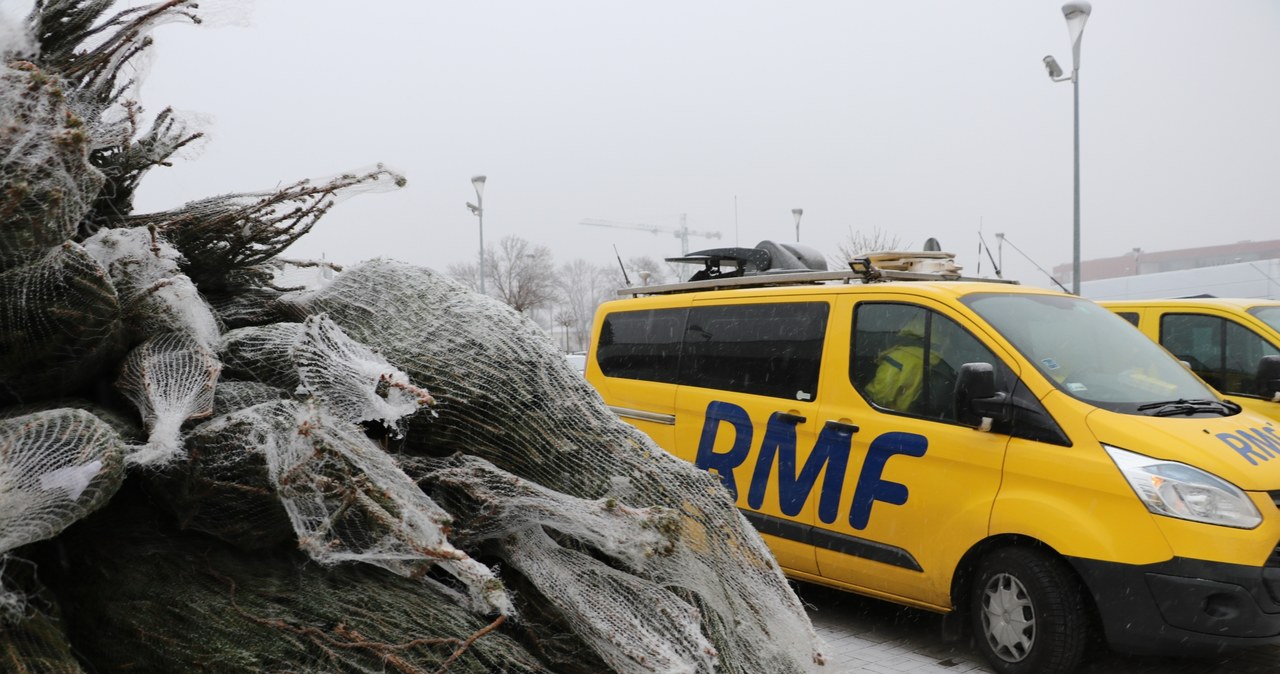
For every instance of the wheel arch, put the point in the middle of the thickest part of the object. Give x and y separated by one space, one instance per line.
966 570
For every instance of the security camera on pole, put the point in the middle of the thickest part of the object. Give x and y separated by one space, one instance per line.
1076 13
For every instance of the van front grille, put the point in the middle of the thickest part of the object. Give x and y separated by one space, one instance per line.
1275 496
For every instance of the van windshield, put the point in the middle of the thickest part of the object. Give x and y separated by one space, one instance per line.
1095 356
1268 315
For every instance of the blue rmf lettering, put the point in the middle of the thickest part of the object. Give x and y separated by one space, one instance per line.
871 487
723 463
1253 444
831 450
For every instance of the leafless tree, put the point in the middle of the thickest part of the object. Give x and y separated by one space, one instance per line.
860 242
466 273
566 320
521 274
517 272
582 287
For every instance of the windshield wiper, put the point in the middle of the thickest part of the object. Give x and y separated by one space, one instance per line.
1171 408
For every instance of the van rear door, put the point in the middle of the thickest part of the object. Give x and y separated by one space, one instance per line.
747 410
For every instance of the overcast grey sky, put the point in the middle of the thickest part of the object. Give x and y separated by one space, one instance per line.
922 118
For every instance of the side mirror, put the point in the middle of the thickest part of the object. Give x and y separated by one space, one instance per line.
978 403
1267 382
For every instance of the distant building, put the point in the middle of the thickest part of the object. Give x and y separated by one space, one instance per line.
1245 269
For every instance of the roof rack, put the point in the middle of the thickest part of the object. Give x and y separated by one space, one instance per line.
751 269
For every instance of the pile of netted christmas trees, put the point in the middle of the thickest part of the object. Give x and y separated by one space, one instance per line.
203 471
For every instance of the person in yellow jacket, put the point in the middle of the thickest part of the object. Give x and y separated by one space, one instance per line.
901 369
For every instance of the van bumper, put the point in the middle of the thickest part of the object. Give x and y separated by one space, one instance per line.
1187 606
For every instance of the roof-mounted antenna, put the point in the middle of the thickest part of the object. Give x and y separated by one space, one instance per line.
1005 239
623 266
982 245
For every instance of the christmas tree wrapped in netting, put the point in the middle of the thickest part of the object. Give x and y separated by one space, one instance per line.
204 470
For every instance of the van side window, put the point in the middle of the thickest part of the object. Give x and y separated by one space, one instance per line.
641 344
1223 353
1131 316
889 367
763 349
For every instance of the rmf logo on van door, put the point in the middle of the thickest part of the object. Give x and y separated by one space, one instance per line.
831 450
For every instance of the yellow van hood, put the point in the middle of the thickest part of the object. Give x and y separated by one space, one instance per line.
1243 449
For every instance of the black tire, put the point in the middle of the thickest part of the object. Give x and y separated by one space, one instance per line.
1028 612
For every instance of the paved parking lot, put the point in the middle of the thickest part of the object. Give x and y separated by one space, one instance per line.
865 635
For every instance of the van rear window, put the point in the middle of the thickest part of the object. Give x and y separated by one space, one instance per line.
766 349
763 349
642 344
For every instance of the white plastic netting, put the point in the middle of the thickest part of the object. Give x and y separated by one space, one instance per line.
59 324
203 471
55 468
583 557
155 295
316 358
45 175
506 395
152 600
170 380
344 497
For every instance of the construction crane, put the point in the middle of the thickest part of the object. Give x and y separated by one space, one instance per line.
683 233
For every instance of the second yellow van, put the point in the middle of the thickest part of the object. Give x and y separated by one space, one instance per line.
1232 344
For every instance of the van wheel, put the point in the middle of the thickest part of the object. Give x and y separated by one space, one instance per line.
1029 613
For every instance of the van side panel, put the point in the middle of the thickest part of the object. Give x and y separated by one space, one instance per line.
1073 498
918 492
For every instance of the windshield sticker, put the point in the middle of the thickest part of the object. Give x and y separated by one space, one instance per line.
1049 363
1076 387
1254 444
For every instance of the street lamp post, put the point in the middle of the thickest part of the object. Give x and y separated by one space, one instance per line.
796 213
478 209
1076 13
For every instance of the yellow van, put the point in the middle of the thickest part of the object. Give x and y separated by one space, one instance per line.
1232 344
1016 457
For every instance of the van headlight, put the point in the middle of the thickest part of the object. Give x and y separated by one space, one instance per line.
1178 490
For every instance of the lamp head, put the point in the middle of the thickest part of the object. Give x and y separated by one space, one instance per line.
478 181
1051 64
1076 13
796 213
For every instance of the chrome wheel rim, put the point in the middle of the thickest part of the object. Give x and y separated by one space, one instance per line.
1008 618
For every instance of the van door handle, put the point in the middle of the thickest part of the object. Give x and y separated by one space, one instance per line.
789 418
841 426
